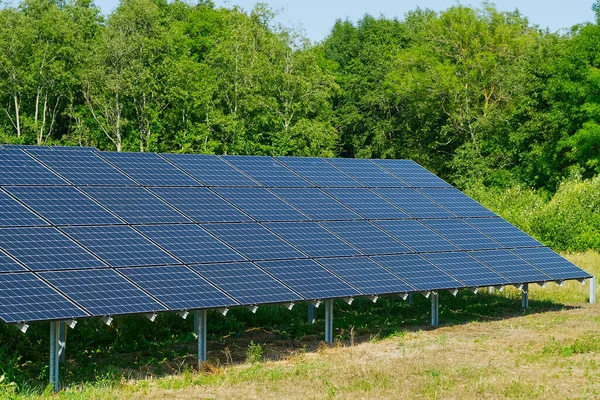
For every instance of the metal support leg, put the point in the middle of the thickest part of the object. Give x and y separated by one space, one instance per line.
62 341
434 309
311 313
328 321
525 296
54 357
592 282
409 299
200 328
491 289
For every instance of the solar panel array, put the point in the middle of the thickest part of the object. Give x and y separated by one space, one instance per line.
86 233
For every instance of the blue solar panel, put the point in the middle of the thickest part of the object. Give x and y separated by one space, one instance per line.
462 234
149 169
457 202
260 204
412 173
135 205
82 168
18 168
416 235
503 232
418 272
551 263
253 241
178 287
466 269
25 146
366 237
267 171
367 203
73 148
13 213
315 203
309 279
102 292
319 172
366 276
120 246
414 203
312 239
45 249
366 172
24 297
7 264
201 205
210 170
246 283
509 265
189 243
63 205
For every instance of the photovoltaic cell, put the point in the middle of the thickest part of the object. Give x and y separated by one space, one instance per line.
412 173
246 283
462 234
551 263
135 205
24 297
316 204
149 169
319 172
367 203
416 235
414 203
312 239
309 279
7 264
503 232
366 172
457 202
13 213
210 170
189 243
267 171
102 292
466 269
45 249
366 237
18 168
418 272
63 205
178 287
260 204
74 148
120 246
365 275
509 265
253 241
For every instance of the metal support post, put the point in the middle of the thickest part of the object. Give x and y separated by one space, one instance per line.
62 342
592 282
311 313
200 329
491 289
329 321
434 309
54 357
409 299
525 296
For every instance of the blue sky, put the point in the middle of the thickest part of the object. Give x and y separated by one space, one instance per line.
316 17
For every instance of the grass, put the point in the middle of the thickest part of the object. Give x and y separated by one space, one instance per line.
487 347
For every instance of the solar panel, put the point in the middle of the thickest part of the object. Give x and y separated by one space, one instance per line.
267 171
457 202
149 169
120 246
316 204
63 205
503 232
135 205
466 269
366 237
412 173
102 292
74 148
312 239
24 297
178 287
462 234
201 205
7 264
25 146
253 241
365 275
260 204
416 235
551 263
45 249
319 172
414 203
367 203
246 283
309 279
18 168
210 170
189 243
418 272
82 168
366 172
509 265
13 213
